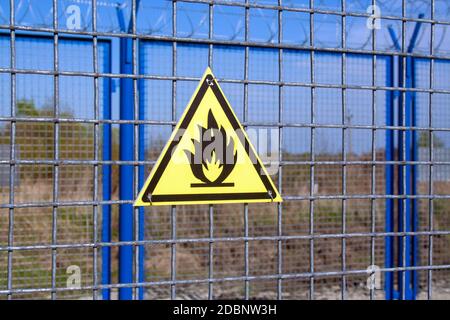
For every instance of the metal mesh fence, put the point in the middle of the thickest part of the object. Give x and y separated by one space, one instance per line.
357 118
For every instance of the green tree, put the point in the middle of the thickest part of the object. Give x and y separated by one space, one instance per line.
424 141
35 140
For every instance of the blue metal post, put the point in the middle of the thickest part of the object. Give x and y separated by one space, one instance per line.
406 190
106 178
126 171
411 213
389 241
407 210
400 187
127 143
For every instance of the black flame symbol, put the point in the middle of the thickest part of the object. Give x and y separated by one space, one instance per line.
212 149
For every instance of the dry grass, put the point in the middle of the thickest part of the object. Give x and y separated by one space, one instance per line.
32 268
33 226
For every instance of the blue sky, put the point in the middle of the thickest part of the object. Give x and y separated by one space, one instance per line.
155 17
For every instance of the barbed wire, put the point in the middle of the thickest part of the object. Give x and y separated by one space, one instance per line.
27 12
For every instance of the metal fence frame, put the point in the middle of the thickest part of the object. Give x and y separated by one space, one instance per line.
131 241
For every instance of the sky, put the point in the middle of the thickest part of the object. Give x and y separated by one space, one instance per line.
155 17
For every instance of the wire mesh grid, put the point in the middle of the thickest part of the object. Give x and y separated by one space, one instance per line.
300 74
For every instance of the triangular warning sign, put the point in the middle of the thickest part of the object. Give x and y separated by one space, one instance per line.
208 158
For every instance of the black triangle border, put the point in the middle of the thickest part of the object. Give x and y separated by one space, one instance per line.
209 82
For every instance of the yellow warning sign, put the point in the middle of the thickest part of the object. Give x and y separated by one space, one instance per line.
208 158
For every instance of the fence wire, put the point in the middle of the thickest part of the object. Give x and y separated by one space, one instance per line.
318 79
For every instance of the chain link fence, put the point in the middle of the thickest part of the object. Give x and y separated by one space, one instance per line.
352 97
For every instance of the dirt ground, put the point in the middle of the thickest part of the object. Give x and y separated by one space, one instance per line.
440 291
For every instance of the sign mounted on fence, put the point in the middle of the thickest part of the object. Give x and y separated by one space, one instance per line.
208 158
